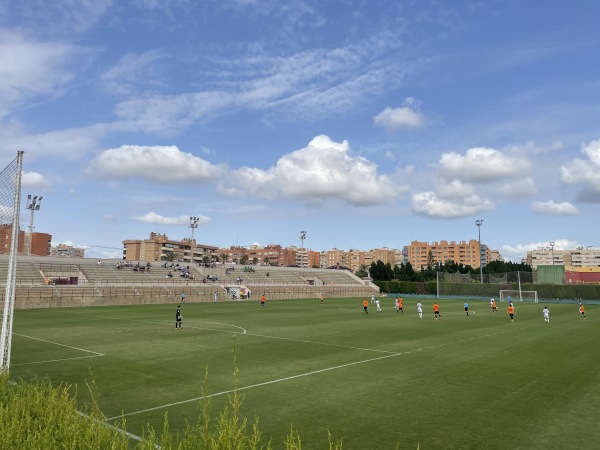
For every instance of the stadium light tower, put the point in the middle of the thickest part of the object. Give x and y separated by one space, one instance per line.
552 249
33 204
302 237
478 223
193 225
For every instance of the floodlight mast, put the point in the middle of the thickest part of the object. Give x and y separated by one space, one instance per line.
33 204
194 220
478 224
302 237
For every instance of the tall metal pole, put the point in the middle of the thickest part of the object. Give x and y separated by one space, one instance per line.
552 249
33 204
193 225
302 237
9 293
478 223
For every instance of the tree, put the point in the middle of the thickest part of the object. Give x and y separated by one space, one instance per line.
244 259
430 261
362 271
409 272
380 271
224 257
266 260
205 259
170 256
254 260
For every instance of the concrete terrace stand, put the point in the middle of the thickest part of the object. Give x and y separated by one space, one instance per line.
45 282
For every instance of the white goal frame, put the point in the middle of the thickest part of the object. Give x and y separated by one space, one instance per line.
518 295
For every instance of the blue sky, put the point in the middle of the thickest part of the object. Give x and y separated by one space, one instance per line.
366 124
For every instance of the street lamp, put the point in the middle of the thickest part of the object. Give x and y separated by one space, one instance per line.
33 204
478 223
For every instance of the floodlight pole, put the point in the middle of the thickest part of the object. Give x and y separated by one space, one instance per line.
552 249
33 204
193 225
478 223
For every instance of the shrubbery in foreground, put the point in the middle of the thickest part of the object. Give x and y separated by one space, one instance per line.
37 415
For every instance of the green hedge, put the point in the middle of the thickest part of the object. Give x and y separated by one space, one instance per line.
545 291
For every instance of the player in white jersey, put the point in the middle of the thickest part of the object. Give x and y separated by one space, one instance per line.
372 298
420 310
546 314
378 305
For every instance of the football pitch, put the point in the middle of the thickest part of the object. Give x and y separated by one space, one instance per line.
377 381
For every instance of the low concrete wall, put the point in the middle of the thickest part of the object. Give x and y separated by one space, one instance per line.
75 296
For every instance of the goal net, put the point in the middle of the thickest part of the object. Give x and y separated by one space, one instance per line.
10 199
518 296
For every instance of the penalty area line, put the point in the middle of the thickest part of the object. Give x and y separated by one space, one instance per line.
266 383
56 360
61 345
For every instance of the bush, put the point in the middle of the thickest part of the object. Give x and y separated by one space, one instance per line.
37 415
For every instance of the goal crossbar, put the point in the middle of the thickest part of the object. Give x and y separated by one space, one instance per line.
516 295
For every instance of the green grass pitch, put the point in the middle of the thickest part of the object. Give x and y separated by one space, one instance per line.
377 381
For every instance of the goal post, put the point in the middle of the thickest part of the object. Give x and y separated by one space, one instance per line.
518 296
10 202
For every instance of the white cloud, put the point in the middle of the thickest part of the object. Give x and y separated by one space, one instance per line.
516 189
34 180
305 85
153 217
71 143
31 69
132 72
322 170
585 172
431 205
154 163
483 165
406 117
553 208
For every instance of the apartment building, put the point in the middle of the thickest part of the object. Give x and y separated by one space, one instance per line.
158 246
579 257
585 257
41 243
67 251
467 253
546 256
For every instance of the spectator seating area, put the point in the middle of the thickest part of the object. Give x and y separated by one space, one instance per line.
48 281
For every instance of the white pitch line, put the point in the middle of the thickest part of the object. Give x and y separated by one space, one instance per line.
56 360
155 408
115 428
254 386
165 323
322 343
62 345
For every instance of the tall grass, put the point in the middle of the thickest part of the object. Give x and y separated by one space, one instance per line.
38 415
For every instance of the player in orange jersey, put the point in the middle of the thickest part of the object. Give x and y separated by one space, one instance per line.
511 312
436 311
366 306
581 311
